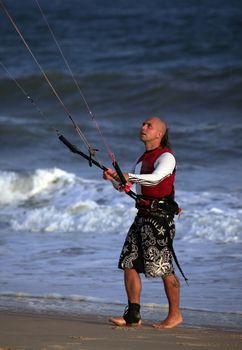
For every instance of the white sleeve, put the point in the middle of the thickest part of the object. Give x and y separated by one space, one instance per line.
164 166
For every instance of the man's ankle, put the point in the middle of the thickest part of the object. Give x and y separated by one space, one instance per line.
132 313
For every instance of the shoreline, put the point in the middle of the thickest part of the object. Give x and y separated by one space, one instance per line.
19 330
60 306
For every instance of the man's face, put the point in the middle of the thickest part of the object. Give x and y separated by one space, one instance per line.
151 130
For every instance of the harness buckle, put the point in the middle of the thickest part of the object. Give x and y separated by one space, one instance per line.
154 204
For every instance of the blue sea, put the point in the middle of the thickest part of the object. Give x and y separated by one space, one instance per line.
61 226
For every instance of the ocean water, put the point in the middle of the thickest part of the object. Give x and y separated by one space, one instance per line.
61 226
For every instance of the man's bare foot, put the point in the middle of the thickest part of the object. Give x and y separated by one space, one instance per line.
169 322
120 322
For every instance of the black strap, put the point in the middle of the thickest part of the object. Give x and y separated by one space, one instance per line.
170 245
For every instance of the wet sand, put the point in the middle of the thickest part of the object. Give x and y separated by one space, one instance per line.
20 331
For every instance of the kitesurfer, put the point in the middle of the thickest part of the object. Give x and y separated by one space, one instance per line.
148 245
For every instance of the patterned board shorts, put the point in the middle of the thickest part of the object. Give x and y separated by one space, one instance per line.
146 246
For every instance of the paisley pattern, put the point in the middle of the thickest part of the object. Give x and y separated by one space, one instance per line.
146 246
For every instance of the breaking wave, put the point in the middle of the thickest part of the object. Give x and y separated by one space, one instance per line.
53 200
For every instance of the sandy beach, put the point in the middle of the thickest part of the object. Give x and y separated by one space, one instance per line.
42 332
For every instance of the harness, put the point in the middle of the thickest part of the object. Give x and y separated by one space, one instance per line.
165 205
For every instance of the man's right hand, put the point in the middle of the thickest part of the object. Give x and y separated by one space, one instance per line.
109 174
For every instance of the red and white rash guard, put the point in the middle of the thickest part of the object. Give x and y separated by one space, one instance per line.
154 173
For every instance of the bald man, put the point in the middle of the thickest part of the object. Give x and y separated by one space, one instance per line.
147 248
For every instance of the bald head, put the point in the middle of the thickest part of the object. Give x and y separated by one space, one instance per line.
159 124
152 132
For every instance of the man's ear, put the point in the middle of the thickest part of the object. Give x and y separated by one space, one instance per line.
159 135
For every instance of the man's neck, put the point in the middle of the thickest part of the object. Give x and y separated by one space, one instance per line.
149 146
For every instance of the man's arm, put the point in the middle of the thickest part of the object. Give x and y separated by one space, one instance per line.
164 166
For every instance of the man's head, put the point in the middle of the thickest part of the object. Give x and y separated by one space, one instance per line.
152 132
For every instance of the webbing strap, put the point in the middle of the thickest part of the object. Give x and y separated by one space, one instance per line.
170 245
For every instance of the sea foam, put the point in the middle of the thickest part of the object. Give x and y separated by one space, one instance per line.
53 200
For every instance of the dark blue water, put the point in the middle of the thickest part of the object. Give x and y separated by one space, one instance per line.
181 60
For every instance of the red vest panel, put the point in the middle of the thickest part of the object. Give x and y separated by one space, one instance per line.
166 186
